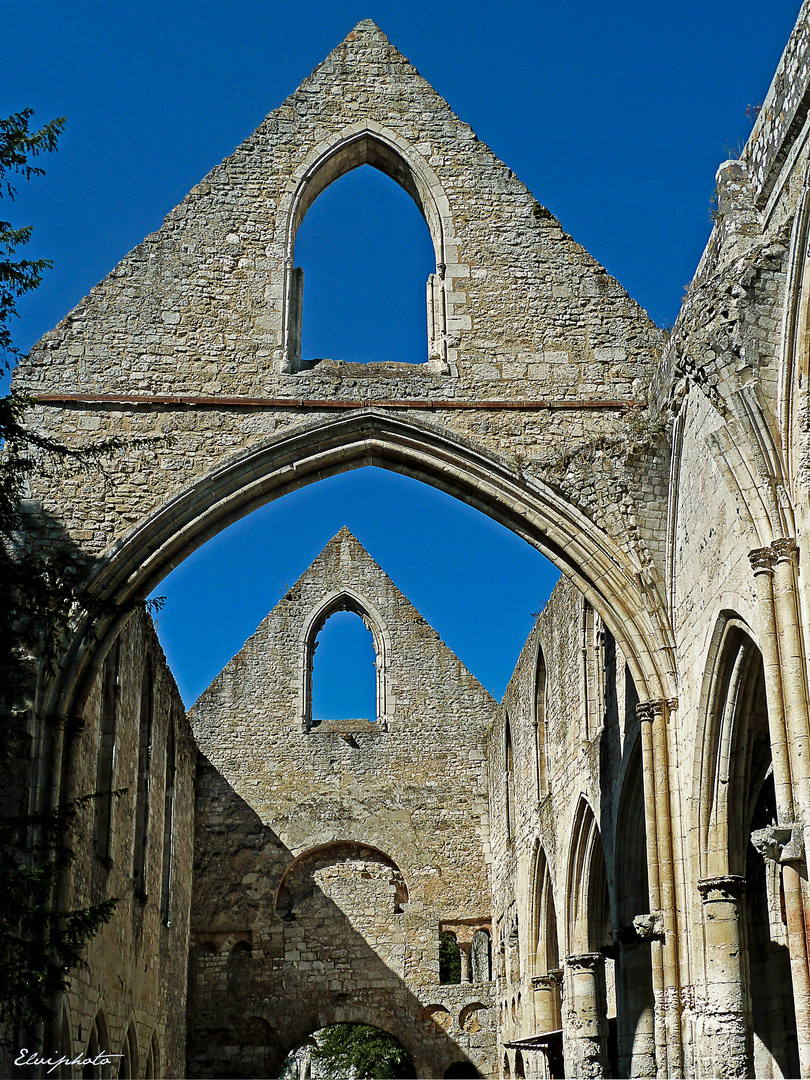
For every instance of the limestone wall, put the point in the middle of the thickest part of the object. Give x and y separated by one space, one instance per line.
573 748
135 979
336 854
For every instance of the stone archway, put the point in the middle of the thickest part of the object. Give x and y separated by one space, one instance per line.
136 564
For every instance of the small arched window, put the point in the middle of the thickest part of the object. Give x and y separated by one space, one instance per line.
449 959
344 670
481 957
367 659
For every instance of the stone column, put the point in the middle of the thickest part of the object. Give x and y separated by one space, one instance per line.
654 717
585 1016
466 967
791 656
728 1012
786 692
547 1001
761 560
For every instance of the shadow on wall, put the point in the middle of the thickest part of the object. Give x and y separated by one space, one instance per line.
283 947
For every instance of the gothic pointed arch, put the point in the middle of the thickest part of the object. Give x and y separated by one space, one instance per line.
545 950
344 599
588 917
311 451
371 143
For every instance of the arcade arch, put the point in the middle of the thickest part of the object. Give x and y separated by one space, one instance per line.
541 516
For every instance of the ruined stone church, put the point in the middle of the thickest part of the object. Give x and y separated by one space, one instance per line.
617 852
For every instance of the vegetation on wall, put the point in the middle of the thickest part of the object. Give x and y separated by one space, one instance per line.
361 1051
39 586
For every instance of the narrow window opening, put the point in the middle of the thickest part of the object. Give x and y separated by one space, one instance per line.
509 783
105 781
168 826
344 670
449 959
142 800
540 725
366 253
481 957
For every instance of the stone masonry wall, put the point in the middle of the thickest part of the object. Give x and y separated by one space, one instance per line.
135 976
335 855
588 714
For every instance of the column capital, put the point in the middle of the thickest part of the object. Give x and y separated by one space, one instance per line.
647 711
589 961
725 887
784 549
552 980
761 560
644 712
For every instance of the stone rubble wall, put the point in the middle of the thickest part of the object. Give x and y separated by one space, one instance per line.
337 855
136 965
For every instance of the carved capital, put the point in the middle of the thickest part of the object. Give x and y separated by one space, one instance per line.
552 980
785 549
761 560
728 888
644 712
588 961
779 843
647 711
649 927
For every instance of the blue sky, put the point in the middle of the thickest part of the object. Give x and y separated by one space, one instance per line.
615 115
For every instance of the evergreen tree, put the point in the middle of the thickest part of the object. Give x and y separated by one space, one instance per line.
39 944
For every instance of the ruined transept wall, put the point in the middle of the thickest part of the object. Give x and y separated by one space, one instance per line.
134 845
337 852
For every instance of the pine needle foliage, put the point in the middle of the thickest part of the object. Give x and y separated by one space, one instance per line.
40 587
359 1052
39 944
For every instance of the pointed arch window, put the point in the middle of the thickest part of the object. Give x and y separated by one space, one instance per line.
509 781
346 601
546 955
344 670
168 824
391 154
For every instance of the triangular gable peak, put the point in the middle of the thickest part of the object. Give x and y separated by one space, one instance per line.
211 304
271 676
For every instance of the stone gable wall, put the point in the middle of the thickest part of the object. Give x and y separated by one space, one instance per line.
338 852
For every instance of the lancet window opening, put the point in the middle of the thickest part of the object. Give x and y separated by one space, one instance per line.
546 956
143 781
345 601
168 825
343 675
390 154
540 740
509 781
